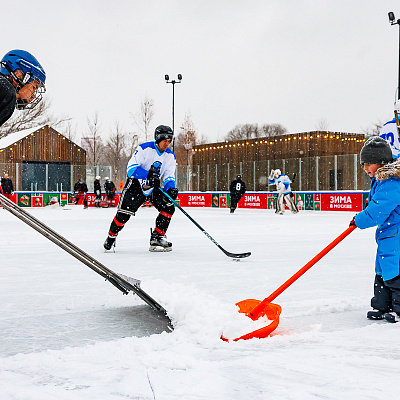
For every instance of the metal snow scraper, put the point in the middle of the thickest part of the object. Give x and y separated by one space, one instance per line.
124 283
255 309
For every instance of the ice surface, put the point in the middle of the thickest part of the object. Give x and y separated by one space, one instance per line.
65 333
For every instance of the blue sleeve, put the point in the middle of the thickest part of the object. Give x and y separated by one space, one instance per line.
385 199
137 172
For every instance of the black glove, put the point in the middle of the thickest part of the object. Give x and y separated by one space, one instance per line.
353 222
153 178
173 193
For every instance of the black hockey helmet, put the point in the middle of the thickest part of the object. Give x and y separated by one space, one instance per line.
163 132
239 176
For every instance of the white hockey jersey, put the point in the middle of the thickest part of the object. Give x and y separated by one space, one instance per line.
282 184
144 157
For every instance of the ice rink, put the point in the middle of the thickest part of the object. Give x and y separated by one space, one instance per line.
66 333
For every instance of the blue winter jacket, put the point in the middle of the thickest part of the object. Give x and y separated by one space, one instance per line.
384 211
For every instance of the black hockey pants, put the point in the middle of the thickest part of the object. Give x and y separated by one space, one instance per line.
235 200
132 198
386 294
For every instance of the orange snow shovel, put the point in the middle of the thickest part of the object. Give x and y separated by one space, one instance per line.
255 309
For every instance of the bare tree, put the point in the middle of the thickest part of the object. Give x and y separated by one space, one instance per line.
252 131
269 130
67 130
145 116
373 130
185 140
116 153
93 143
322 125
30 118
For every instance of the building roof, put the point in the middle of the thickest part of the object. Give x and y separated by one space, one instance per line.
16 136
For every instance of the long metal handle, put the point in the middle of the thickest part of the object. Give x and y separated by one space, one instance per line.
256 311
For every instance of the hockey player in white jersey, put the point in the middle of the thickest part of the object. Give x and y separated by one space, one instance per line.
152 163
282 183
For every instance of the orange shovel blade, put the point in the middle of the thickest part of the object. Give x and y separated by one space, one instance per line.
270 310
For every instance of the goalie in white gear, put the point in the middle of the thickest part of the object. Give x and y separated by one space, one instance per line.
285 193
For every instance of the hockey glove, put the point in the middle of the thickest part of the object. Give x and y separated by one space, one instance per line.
353 222
153 178
271 175
173 192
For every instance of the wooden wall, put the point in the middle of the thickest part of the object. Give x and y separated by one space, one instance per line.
312 155
300 145
46 145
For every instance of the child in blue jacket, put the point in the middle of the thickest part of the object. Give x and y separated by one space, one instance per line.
383 211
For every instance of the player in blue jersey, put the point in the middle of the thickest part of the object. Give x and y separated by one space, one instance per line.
152 163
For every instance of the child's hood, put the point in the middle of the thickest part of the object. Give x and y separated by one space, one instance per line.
388 171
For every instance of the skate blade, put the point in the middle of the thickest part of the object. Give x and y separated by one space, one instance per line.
112 250
159 249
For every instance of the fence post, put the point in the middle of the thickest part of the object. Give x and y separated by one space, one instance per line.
316 173
17 176
299 174
355 171
335 172
254 175
216 177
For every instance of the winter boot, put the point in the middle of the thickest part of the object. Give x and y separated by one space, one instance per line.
109 242
159 242
376 314
392 317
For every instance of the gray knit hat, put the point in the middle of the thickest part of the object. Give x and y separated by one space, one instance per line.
376 151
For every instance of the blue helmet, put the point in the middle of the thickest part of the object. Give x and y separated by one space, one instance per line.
32 70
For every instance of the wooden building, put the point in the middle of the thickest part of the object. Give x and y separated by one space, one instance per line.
321 160
41 159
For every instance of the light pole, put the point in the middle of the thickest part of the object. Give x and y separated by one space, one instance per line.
173 102
393 21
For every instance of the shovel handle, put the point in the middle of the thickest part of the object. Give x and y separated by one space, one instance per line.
256 311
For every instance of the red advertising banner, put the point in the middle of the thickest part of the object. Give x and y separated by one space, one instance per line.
91 197
254 200
195 199
37 201
341 201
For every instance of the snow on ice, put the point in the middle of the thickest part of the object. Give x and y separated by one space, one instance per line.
67 334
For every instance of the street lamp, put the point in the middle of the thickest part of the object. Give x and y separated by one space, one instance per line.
173 81
393 21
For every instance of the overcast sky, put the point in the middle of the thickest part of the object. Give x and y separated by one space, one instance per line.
293 62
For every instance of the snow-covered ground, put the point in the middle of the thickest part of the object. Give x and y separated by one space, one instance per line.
65 333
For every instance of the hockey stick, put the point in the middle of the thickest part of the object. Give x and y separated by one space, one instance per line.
121 282
294 177
233 255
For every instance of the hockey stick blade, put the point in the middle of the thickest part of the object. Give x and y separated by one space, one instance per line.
227 253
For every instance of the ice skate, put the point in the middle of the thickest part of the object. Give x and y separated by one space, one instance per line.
392 317
159 243
376 314
109 243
